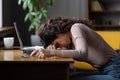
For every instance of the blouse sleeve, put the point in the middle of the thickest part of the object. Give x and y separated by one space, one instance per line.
79 38
80 43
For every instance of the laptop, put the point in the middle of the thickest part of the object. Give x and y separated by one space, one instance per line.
26 50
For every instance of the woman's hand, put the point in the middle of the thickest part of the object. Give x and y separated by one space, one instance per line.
43 53
38 53
51 47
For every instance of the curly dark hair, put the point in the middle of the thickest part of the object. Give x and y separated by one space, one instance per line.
58 25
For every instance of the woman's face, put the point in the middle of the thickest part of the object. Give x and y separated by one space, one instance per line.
62 41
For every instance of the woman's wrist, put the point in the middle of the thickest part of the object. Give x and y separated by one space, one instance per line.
52 52
58 53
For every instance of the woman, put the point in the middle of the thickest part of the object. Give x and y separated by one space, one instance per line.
71 37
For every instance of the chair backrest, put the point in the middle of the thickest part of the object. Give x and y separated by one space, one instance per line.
112 38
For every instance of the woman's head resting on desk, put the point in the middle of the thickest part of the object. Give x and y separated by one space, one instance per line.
56 31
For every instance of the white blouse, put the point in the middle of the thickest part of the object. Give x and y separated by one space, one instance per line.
89 46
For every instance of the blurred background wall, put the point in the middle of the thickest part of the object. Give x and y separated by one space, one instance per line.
12 12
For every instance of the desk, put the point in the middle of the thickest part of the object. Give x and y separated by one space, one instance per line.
15 67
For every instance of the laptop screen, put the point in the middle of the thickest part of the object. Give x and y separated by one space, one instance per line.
18 36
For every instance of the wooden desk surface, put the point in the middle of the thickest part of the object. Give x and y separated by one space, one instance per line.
16 67
15 56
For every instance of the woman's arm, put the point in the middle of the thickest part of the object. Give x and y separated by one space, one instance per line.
79 41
